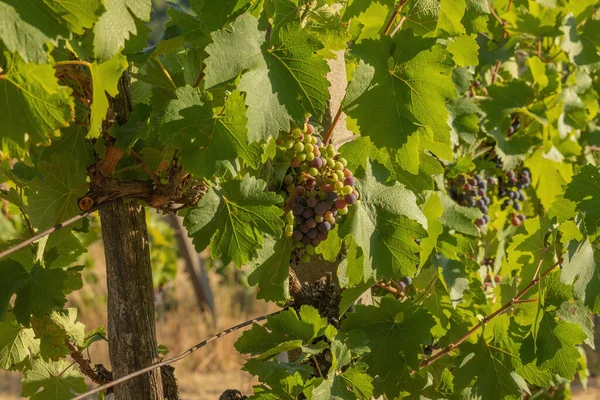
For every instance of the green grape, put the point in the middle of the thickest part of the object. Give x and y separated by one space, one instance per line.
291 188
340 175
299 147
300 156
331 150
310 156
296 133
339 166
338 185
331 163
313 171
309 148
313 139
307 115
343 211
343 161
319 218
298 245
289 228
347 189
310 249
305 258
288 144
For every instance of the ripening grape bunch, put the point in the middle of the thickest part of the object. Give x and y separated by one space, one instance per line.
472 191
319 189
515 125
511 192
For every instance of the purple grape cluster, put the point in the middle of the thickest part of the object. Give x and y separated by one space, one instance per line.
510 192
319 189
472 192
515 125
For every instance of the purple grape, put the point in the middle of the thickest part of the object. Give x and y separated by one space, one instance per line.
491 181
322 236
317 163
484 209
407 280
304 228
324 226
473 182
308 213
486 200
301 200
510 175
331 197
350 198
480 203
297 236
349 181
486 218
312 233
320 208
311 202
306 240
316 241
481 192
311 223
300 190
297 209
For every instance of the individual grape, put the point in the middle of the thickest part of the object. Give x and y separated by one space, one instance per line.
486 218
303 228
319 218
324 226
516 125
329 217
300 190
340 203
491 181
295 163
355 193
347 173
331 163
338 185
407 280
516 221
343 161
486 200
473 192
308 213
322 236
296 133
506 204
339 166
316 163
522 196
311 202
309 129
350 198
308 148
297 235
310 249
347 189
476 83
288 179
300 220
305 258
320 208
510 175
340 175
311 223
522 217
313 171
526 171
467 187
482 185
299 146
331 197
402 285
297 209
516 205
343 211
300 157
479 222
481 192
349 181
312 193
316 241
330 150
512 194
306 240
301 200
288 144
484 209
510 130
310 156
327 188
470 202
312 233
473 182
480 203
525 180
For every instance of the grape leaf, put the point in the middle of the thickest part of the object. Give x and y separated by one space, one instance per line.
505 99
105 77
53 199
395 330
464 50
16 342
450 16
384 224
27 26
55 379
458 217
54 329
209 138
433 210
270 269
233 219
410 86
581 49
32 102
352 384
283 77
548 176
580 270
584 190
116 24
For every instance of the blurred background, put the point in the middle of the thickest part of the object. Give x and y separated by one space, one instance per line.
194 299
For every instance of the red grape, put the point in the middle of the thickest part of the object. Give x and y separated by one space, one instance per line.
340 203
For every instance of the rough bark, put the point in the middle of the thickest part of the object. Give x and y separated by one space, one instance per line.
131 321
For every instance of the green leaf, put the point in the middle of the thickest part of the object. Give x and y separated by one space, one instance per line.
105 77
505 99
53 199
282 77
464 50
16 342
458 217
270 269
233 219
410 86
433 210
354 383
548 176
27 26
384 223
37 291
450 15
580 270
116 24
584 190
56 328
581 49
395 330
209 138
32 102
57 381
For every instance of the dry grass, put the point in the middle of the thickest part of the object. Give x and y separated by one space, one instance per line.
203 375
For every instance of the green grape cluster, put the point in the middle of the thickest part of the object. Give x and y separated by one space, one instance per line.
318 189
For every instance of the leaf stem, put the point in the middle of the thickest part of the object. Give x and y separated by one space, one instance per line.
397 28
435 278
160 66
388 26
140 160
333 124
514 300
73 62
304 16
200 76
314 359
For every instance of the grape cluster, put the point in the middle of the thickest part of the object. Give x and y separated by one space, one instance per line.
510 192
472 192
515 125
319 189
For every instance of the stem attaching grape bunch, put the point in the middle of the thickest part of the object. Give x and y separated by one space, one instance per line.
510 192
471 191
318 189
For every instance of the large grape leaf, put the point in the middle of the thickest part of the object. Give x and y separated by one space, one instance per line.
54 329
37 291
105 77
233 219
282 77
26 26
582 49
16 342
409 90
52 381
270 270
584 190
31 101
580 269
548 176
384 224
53 198
116 24
395 331
209 138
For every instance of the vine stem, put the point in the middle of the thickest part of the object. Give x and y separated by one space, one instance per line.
176 358
160 66
515 300
337 117
393 17
73 62
200 76
56 227
145 166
